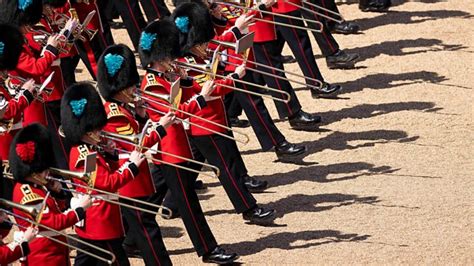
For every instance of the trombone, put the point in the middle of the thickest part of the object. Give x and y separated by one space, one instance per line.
278 15
41 37
134 141
89 179
42 92
270 67
30 210
204 69
245 141
59 19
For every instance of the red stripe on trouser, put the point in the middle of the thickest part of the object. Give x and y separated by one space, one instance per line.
147 235
273 72
323 32
190 211
302 50
228 172
112 250
133 16
260 117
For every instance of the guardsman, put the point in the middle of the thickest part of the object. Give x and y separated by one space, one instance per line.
195 28
19 247
82 118
159 46
31 156
117 80
12 103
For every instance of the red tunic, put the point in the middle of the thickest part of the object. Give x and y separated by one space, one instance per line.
44 251
121 121
216 108
176 141
35 66
103 220
10 253
13 115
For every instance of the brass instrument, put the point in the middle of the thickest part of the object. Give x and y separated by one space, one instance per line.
240 46
131 140
272 68
278 15
42 91
41 37
61 18
340 20
26 209
198 68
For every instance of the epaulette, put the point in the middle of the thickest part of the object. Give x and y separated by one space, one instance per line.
151 81
113 110
28 195
83 152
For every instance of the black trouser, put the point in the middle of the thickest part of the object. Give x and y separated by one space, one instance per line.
133 18
61 150
181 184
300 44
112 245
268 53
326 42
223 153
145 233
265 129
232 106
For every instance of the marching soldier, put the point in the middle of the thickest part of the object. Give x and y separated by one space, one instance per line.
117 80
12 103
195 33
82 118
30 157
159 45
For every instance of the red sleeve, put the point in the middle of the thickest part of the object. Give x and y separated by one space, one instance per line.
37 66
60 221
223 90
115 125
9 256
17 106
108 180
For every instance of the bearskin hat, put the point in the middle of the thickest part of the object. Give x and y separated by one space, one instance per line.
158 41
116 71
194 23
30 11
11 45
9 11
31 152
82 111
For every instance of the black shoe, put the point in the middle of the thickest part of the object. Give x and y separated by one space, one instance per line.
219 256
287 59
345 27
304 121
236 122
286 149
342 60
374 5
325 91
132 252
260 216
254 185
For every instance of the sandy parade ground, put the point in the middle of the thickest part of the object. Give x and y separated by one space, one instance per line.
388 178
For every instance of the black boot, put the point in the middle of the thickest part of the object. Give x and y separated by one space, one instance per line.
326 91
342 60
345 27
219 256
304 121
260 216
286 150
254 185
287 59
236 122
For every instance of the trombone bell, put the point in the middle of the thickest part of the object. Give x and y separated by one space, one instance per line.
85 177
33 210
